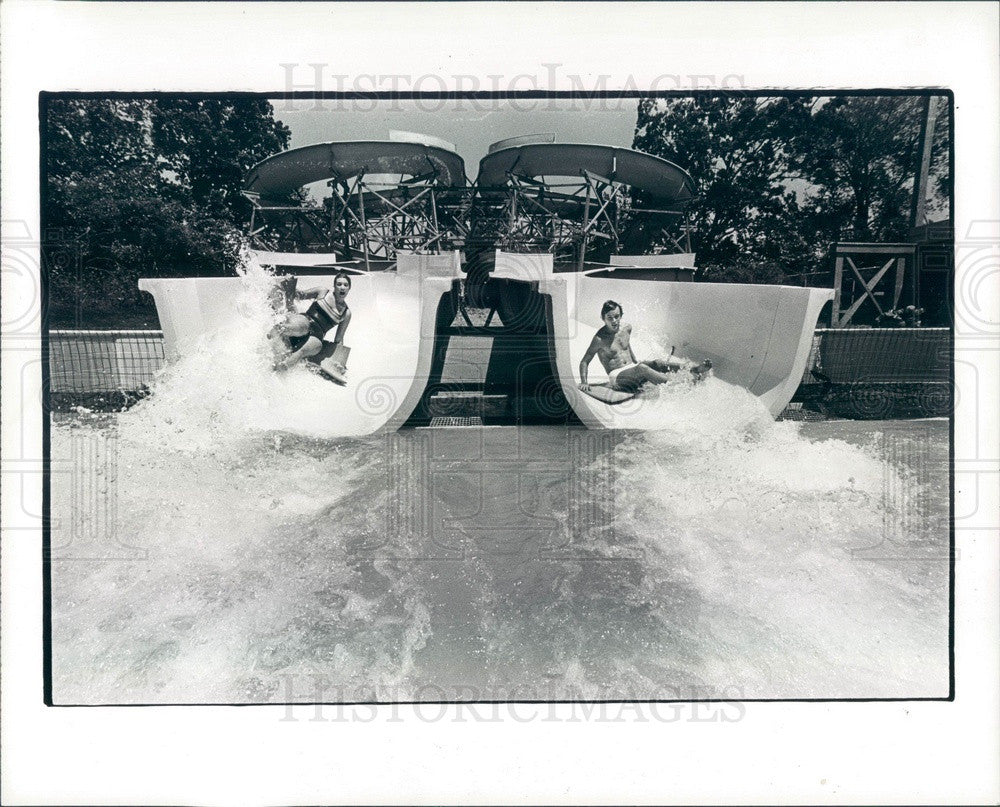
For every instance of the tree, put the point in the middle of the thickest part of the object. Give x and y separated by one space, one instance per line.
859 153
101 143
206 148
782 178
145 187
737 150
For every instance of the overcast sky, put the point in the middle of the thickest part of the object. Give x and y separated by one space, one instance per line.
470 124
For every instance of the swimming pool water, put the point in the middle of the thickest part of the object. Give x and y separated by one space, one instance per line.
754 560
215 544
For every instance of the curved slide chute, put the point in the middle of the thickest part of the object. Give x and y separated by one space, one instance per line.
530 158
757 337
391 334
287 171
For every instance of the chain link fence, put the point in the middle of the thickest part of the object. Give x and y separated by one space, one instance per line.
103 370
863 373
874 373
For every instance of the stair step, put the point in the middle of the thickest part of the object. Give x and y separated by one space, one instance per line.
467 404
443 422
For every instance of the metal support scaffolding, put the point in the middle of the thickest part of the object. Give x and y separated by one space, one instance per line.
384 199
580 203
361 217
576 221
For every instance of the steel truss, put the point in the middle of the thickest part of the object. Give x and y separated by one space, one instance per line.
577 222
370 221
365 218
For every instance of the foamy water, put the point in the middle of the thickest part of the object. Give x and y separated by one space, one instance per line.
226 388
213 544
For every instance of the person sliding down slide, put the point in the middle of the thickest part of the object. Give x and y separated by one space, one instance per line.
302 335
612 345
292 341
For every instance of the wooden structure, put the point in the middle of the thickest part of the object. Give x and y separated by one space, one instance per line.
892 279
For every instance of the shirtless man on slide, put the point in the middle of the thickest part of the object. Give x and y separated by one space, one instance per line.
612 345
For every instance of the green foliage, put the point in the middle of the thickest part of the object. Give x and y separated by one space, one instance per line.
860 155
781 179
207 147
742 269
736 148
146 187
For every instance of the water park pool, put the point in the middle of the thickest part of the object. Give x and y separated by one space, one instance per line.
726 555
243 535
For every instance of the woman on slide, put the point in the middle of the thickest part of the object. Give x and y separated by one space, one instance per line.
305 333
329 308
612 345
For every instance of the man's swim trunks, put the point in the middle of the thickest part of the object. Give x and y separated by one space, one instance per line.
613 375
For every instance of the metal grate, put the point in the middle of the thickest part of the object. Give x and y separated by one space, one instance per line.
796 411
440 422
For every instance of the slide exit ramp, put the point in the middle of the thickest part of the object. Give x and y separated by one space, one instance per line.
757 337
391 334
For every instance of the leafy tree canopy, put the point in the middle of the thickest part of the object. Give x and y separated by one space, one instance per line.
860 156
146 187
782 178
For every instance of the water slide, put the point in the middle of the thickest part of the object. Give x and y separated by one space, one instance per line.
287 171
391 333
757 337
531 157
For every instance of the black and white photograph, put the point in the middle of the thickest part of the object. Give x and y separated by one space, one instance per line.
444 414
649 406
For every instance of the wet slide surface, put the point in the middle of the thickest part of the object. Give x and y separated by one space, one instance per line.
757 337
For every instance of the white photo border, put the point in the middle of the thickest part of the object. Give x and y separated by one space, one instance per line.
933 752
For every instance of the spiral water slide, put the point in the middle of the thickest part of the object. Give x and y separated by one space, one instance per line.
393 325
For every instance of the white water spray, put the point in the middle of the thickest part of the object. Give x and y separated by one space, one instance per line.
242 549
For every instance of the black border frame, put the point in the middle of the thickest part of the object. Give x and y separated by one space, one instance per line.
45 96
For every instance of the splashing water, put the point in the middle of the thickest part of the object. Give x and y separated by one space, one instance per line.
213 544
792 545
226 390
